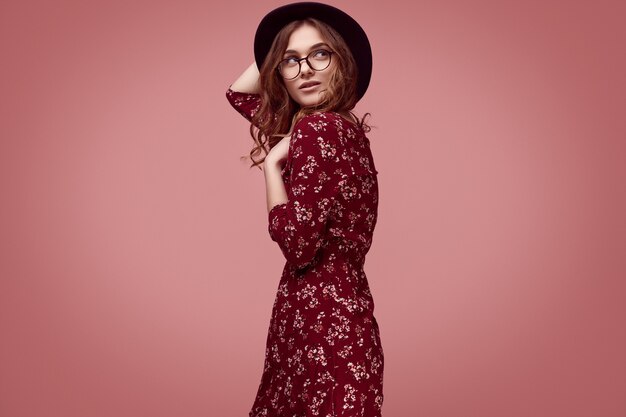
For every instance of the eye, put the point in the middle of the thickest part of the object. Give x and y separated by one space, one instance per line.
321 53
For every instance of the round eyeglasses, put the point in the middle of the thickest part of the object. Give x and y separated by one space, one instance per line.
317 60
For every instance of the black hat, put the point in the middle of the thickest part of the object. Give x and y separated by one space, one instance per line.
348 28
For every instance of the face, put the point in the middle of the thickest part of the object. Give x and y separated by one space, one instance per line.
302 41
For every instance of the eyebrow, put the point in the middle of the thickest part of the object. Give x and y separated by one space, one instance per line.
289 51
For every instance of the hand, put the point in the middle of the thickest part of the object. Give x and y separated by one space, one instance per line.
279 152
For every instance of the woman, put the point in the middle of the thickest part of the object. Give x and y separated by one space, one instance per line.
323 355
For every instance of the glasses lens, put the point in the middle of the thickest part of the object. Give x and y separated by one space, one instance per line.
319 59
290 68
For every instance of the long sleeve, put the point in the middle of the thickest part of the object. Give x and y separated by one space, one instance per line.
300 225
247 104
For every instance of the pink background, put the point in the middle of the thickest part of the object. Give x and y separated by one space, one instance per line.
137 275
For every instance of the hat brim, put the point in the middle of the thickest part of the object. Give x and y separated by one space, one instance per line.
352 33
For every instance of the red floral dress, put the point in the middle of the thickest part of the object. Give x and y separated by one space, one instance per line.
323 356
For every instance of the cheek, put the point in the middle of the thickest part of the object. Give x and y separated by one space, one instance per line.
293 93
293 89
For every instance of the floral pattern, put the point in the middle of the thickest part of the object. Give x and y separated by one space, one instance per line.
323 355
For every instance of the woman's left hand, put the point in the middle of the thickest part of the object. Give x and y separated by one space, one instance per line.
279 152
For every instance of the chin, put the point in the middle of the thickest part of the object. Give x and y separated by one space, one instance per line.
310 101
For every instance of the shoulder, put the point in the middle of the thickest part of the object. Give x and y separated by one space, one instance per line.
318 135
330 123
317 122
321 126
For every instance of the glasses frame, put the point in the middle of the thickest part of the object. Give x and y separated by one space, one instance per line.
306 58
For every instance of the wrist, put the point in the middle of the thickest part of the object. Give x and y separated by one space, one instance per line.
271 163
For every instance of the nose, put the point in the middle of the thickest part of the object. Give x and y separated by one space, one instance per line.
304 67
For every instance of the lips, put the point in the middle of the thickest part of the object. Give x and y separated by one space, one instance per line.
309 84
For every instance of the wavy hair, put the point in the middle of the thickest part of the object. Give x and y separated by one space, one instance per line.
279 113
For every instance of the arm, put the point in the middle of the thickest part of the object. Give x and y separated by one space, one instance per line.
274 185
272 169
248 82
242 96
299 225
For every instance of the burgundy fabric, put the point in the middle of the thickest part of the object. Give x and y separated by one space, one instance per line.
323 353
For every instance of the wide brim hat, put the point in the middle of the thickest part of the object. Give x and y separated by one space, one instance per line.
352 33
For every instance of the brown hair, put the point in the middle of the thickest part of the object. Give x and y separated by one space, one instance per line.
279 112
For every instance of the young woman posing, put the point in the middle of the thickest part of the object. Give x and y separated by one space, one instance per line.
324 355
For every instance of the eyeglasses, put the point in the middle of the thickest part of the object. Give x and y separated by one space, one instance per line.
317 60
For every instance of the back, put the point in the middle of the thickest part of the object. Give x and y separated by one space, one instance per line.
331 179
